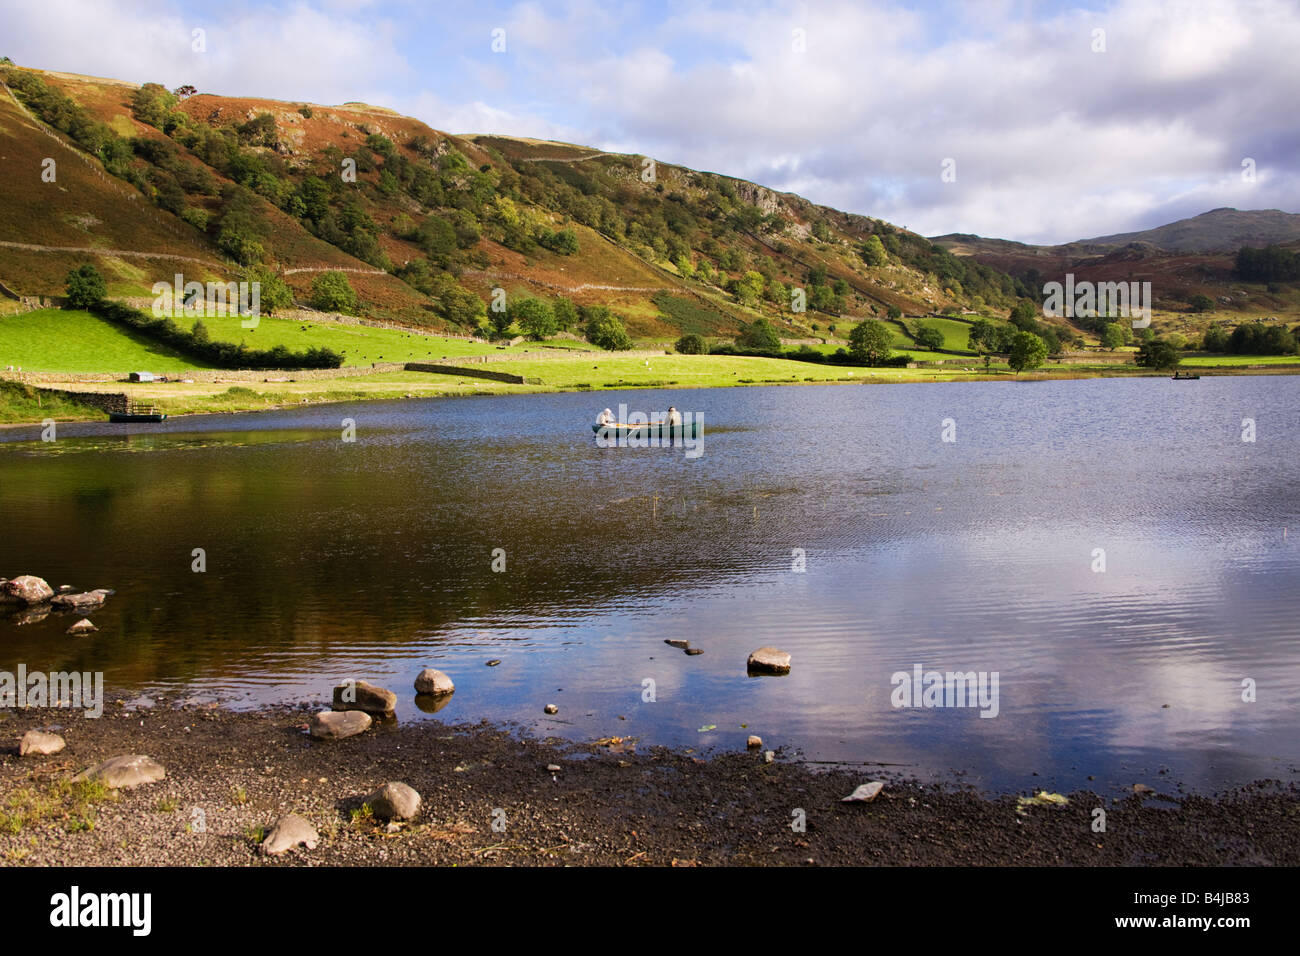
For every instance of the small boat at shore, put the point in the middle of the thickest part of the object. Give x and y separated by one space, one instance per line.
138 413
1189 377
660 431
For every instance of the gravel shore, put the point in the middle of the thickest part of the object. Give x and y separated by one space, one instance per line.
489 799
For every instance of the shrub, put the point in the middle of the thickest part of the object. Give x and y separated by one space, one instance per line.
85 287
691 344
604 330
331 292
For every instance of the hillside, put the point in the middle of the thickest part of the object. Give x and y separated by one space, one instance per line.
426 225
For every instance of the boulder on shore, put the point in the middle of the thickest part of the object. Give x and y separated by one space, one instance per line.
394 801
433 682
289 831
125 772
25 589
37 743
365 696
337 724
768 660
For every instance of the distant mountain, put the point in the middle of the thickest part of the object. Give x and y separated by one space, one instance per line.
1219 230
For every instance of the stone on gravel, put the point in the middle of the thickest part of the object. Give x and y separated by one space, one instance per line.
754 742
40 744
769 756
394 801
865 793
290 831
551 709
434 682
365 696
337 724
25 589
124 772
84 600
82 627
769 660
553 768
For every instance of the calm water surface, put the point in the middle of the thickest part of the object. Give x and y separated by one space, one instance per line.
373 559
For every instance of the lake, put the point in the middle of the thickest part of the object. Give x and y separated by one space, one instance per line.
327 559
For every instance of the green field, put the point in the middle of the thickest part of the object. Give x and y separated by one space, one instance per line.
57 340
1237 361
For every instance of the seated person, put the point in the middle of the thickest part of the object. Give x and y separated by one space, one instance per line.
674 416
605 418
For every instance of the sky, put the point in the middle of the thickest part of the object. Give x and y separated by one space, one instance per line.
1043 122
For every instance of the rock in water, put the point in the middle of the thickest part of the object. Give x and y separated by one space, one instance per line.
125 772
551 709
87 599
754 742
394 801
337 724
674 642
40 744
288 832
363 695
865 793
83 627
694 651
434 682
768 660
25 589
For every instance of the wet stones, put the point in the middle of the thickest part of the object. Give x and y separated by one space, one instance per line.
768 660
434 683
338 724
364 696
26 589
82 627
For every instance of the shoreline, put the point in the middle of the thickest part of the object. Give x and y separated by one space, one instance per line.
231 774
402 391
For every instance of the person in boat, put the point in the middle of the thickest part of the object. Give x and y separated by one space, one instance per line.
605 418
674 416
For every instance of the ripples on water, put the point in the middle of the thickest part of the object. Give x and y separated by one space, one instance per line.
328 559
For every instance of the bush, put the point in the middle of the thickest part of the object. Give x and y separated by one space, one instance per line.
691 344
85 287
331 292
929 337
760 337
869 342
604 330
534 317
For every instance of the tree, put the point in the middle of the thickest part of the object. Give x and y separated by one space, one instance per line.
1158 353
604 330
273 292
534 318
690 344
1027 352
184 92
1216 339
760 336
929 337
1112 336
983 336
1024 316
331 292
565 312
894 312
85 287
501 322
873 252
1201 302
869 342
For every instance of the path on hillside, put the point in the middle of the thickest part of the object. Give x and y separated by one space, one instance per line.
97 251
581 287
357 271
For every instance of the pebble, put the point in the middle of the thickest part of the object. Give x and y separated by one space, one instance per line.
40 744
768 660
434 682
289 831
754 742
125 772
552 709
394 801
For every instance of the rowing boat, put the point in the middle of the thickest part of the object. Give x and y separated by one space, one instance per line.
661 431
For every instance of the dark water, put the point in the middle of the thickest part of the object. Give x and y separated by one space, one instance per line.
373 559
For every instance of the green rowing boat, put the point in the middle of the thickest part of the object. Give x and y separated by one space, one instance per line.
653 430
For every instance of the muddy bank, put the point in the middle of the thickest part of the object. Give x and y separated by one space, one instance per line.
231 775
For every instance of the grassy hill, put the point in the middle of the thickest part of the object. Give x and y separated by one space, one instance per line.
215 187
